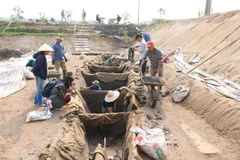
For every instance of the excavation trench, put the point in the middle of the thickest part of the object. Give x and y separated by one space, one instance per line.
85 126
111 127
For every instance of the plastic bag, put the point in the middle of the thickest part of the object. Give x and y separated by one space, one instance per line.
68 55
165 60
152 142
40 115
180 93
12 59
81 56
28 74
137 63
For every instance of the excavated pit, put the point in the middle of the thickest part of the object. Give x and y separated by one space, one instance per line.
115 132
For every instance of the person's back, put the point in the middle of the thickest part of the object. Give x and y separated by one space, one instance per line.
97 17
98 88
60 93
118 18
84 14
146 36
63 13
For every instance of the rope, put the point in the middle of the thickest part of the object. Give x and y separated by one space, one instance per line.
226 47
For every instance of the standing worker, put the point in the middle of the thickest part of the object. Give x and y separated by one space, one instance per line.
146 36
142 52
63 15
118 19
155 56
58 57
83 16
40 72
98 18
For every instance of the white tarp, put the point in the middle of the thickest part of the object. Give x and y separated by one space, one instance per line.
12 75
220 84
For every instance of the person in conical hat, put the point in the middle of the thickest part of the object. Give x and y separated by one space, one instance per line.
40 71
109 102
95 86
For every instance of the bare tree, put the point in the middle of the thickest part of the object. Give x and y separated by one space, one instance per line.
126 16
43 17
161 12
18 11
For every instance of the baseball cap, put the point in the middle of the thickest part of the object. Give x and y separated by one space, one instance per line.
150 44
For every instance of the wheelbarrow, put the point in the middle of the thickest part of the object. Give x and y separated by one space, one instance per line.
153 82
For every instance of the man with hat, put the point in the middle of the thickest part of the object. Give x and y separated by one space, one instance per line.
109 102
155 56
95 86
40 72
58 57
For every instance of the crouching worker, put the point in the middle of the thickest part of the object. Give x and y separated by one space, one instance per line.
95 86
109 102
60 93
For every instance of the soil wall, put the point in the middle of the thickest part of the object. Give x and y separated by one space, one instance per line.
205 36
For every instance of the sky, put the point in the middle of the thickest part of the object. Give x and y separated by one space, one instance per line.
175 9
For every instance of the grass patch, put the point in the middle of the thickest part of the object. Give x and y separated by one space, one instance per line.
32 34
18 28
153 25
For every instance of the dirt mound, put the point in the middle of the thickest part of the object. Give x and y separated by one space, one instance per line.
206 36
8 53
113 30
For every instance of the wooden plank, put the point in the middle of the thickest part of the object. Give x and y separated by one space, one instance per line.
203 146
82 49
81 46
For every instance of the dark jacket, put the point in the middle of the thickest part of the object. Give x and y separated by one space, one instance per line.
40 67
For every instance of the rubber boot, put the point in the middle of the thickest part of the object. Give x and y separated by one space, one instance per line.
64 74
40 102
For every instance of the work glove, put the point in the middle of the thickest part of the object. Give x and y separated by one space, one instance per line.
53 62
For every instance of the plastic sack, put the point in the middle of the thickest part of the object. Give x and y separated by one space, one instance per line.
152 142
137 63
12 59
68 55
40 115
28 74
165 60
81 56
180 93
122 54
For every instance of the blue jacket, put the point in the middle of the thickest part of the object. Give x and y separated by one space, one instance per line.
40 67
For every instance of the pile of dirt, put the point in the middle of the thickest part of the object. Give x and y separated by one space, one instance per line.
8 53
113 30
